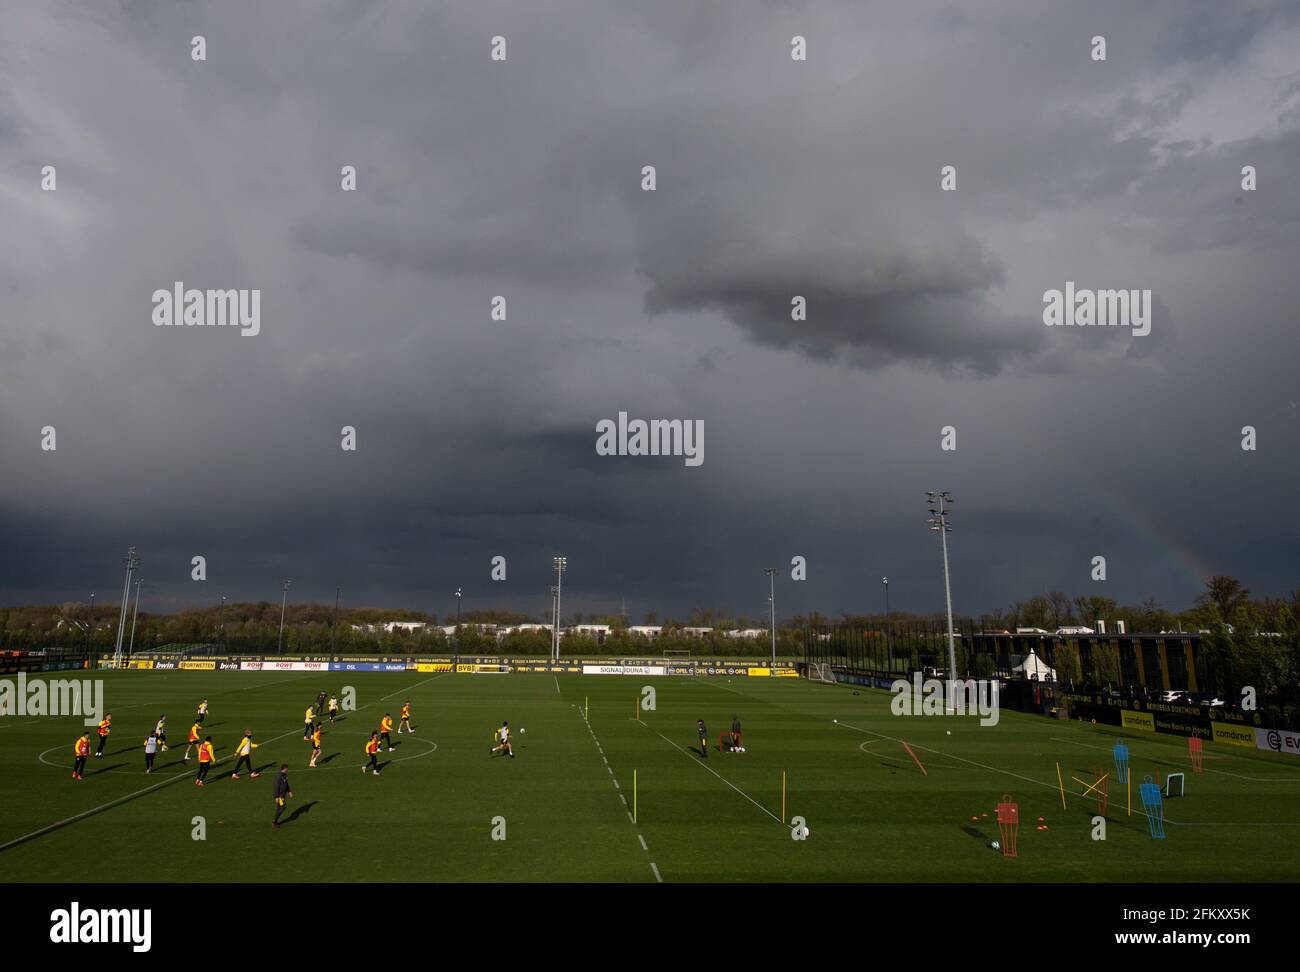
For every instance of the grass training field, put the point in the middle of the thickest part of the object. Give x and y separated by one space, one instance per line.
872 814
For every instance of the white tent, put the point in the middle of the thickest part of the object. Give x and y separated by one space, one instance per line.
1031 666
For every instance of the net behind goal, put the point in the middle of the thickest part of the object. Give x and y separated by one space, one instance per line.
820 672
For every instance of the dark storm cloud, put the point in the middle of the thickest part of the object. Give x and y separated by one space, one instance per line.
522 179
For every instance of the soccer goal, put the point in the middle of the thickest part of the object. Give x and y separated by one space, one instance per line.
820 672
677 653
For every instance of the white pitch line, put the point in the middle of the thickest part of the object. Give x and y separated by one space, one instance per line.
557 684
179 776
701 764
644 847
112 803
616 786
658 877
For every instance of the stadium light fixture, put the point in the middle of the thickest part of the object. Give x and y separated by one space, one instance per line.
771 578
939 524
560 564
889 642
132 562
284 596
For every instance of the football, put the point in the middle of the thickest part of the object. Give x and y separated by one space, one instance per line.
995 845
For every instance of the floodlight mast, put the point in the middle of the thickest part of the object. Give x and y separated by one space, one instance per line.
132 562
771 597
284 596
939 524
560 564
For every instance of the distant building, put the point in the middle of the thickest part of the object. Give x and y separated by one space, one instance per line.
696 632
650 631
746 633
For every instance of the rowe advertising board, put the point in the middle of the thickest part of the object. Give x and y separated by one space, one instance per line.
644 667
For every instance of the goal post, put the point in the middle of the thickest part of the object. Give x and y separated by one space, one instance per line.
819 672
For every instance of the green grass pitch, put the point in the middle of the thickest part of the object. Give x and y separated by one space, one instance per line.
872 814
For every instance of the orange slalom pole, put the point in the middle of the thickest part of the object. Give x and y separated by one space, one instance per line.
914 759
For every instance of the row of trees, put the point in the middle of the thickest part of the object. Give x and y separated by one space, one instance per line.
315 629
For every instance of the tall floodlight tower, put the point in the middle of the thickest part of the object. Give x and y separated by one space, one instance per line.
132 562
771 598
939 513
284 596
889 640
560 564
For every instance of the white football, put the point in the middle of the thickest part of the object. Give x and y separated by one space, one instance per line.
995 845
807 831
523 730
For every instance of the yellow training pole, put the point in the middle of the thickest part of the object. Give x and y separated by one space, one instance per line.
634 796
1128 792
584 707
1061 783
782 796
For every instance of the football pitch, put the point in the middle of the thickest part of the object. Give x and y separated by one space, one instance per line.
564 804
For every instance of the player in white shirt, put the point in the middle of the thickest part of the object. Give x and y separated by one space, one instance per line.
503 735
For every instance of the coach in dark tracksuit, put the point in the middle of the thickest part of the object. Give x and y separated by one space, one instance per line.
282 792
704 739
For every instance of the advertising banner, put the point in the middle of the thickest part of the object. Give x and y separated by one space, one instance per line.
623 670
1138 720
1232 735
365 666
1278 741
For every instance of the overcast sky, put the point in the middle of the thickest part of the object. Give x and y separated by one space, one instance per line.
522 178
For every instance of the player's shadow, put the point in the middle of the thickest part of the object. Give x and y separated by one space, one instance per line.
299 811
326 759
105 769
972 832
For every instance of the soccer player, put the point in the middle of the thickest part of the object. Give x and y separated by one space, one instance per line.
196 734
150 752
320 701
105 727
372 750
282 793
80 749
202 712
704 738
406 718
334 708
244 750
736 745
503 734
385 727
207 756
160 730
308 720
315 746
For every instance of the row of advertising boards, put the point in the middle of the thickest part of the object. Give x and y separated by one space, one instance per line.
1228 727
480 665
